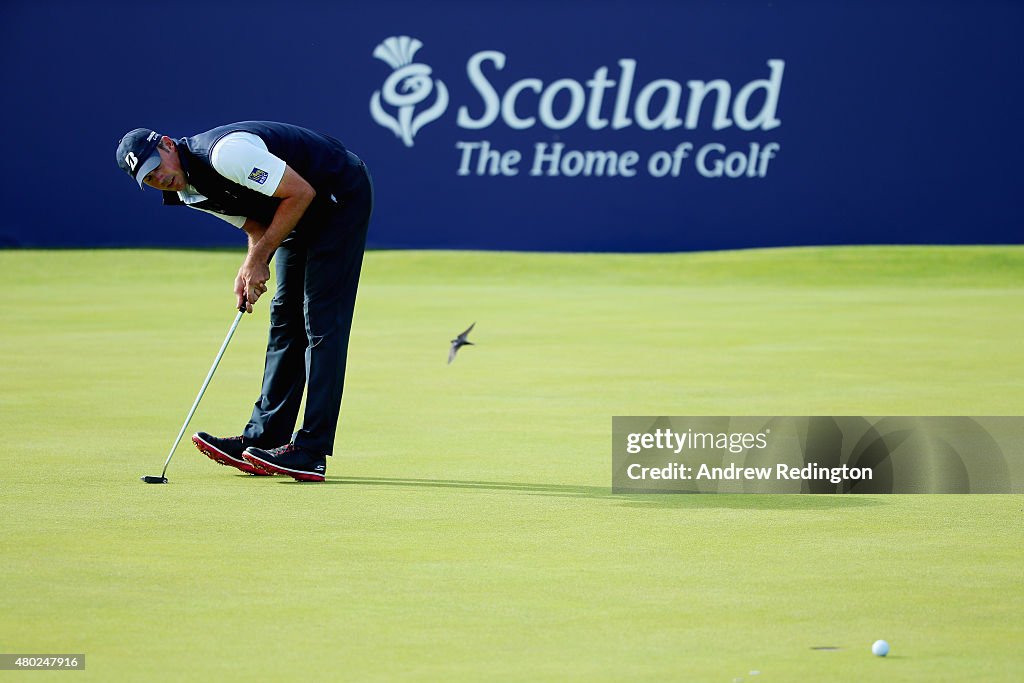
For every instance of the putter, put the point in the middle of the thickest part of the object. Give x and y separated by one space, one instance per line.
162 479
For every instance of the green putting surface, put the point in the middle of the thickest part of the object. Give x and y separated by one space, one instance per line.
467 530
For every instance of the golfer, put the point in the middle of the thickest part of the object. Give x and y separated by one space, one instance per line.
303 198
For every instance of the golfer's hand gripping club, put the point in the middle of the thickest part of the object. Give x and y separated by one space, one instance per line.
251 283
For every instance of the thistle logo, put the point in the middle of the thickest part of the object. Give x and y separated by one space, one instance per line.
408 85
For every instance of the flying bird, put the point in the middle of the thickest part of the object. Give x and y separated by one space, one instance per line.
458 343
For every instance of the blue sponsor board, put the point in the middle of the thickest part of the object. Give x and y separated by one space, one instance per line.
598 126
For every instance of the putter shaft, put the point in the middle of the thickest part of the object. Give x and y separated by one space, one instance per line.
202 390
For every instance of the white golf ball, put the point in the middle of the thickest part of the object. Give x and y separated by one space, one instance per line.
880 648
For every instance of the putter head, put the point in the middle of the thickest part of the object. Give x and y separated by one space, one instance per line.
154 480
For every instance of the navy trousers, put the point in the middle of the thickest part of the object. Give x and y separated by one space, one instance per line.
317 269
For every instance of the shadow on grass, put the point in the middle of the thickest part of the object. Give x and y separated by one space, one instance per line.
647 500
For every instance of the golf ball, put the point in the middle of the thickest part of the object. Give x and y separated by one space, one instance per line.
880 648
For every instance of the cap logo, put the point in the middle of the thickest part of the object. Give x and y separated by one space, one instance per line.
131 160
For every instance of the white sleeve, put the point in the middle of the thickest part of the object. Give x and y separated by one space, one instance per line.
243 158
237 221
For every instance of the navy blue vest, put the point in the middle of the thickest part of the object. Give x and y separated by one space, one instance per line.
320 159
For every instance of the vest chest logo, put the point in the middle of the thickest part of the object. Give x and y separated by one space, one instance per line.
408 85
258 175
